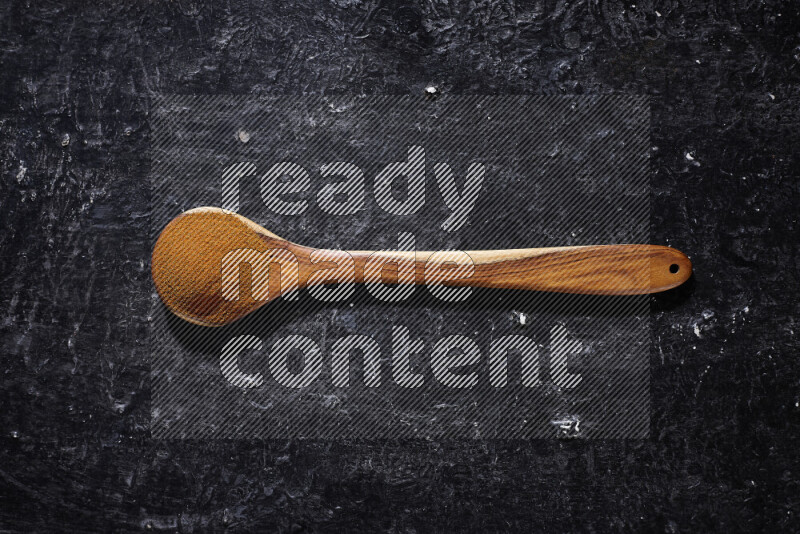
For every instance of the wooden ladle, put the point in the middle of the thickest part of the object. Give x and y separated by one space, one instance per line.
195 248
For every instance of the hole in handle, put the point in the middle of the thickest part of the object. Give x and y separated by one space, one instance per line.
674 268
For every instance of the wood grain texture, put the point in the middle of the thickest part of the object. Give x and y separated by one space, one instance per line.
188 260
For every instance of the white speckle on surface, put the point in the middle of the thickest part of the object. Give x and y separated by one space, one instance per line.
262 407
568 426
119 406
771 96
690 157
658 14
243 136
337 109
431 91
21 172
703 322
14 434
329 401
65 140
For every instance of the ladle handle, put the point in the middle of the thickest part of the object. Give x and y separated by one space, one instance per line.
591 270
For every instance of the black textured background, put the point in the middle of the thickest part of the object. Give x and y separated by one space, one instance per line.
76 80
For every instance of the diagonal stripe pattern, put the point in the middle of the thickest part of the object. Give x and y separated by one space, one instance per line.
388 173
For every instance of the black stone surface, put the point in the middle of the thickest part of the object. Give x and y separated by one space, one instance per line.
75 84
